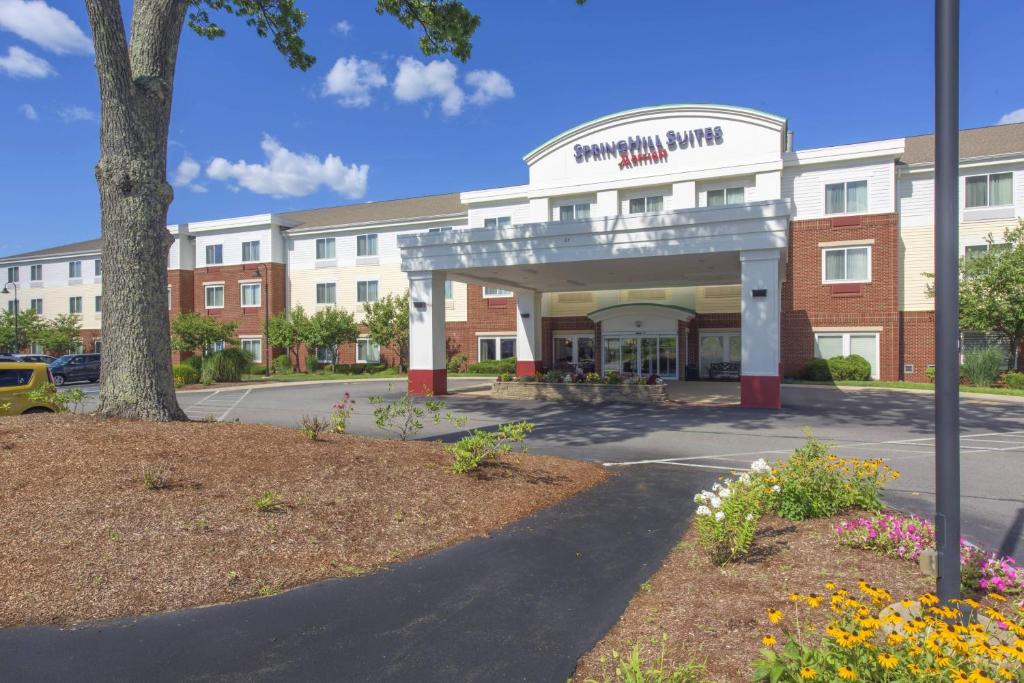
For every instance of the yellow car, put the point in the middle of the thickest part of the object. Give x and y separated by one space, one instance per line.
17 380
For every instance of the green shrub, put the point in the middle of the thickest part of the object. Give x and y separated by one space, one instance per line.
851 367
225 366
472 451
374 368
930 374
357 368
612 377
552 377
457 361
404 417
185 374
282 364
312 364
493 367
194 362
1014 379
255 368
982 366
527 378
66 401
818 370
728 514
506 377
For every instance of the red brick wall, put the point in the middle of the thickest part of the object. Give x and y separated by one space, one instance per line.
807 303
249 320
917 343
182 285
579 322
482 315
705 321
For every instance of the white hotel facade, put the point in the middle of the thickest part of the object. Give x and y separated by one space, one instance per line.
678 240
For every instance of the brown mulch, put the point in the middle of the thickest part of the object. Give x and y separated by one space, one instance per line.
717 615
83 538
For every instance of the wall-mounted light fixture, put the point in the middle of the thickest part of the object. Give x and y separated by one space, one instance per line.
419 305
524 316
759 293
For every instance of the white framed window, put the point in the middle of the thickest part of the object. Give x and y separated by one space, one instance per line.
215 346
573 212
250 294
445 228
12 306
36 273
647 204
214 296
98 304
12 273
366 245
97 267
253 346
498 222
846 264
864 344
325 249
324 354
75 305
496 348
366 291
975 250
848 197
251 251
214 254
326 293
170 300
726 196
496 293
74 269
991 189
367 351
97 345
36 305
449 290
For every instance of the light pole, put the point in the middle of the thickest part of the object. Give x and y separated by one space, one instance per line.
265 296
17 348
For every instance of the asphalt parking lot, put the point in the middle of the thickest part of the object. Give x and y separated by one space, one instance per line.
895 426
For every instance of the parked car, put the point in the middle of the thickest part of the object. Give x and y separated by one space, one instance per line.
17 380
76 367
34 358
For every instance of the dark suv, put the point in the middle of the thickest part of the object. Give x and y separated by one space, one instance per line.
76 367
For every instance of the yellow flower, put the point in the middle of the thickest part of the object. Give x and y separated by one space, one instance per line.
846 673
830 586
768 641
813 600
887 661
774 616
997 596
929 599
807 673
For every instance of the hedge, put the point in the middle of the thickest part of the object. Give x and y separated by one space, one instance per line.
838 368
185 374
493 367
226 366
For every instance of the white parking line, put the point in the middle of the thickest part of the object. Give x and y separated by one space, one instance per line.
225 403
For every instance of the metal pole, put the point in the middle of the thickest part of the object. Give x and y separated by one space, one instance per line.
266 322
947 305
17 346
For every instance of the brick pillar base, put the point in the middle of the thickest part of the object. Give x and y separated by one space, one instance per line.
428 382
526 368
760 392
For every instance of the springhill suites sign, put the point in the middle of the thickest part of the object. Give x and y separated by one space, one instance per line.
648 149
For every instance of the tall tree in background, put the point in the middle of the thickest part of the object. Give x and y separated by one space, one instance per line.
60 335
387 321
136 84
328 329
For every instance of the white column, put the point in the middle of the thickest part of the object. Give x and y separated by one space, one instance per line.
427 342
529 341
760 386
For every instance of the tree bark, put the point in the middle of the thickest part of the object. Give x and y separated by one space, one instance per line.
136 84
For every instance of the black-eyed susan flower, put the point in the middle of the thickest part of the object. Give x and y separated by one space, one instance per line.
807 673
774 616
768 641
887 660
846 673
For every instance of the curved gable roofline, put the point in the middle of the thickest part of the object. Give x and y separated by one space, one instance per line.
660 111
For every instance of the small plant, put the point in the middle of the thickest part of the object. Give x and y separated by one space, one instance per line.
613 377
153 479
633 668
1014 379
728 514
592 378
67 401
457 362
268 502
313 426
506 377
482 446
553 377
342 412
403 418
185 374
265 590
982 366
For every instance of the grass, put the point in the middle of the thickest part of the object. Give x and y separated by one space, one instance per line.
318 376
921 386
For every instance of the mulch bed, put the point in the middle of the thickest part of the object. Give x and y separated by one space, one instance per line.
83 538
717 615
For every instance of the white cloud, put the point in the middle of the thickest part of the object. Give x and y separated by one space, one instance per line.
343 27
73 114
45 26
29 112
351 80
21 63
197 188
287 174
1015 116
488 86
417 81
187 171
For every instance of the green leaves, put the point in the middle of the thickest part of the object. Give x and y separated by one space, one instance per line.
280 19
193 331
447 25
471 451
387 321
328 328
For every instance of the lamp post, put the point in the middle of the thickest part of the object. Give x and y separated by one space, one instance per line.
265 296
12 284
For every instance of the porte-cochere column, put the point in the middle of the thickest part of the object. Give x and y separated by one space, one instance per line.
428 373
529 353
760 383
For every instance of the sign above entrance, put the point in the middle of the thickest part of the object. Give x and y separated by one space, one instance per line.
643 149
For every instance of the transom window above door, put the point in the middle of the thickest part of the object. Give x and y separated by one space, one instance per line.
574 212
726 196
647 204
849 197
846 264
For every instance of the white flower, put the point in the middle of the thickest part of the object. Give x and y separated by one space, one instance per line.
750 516
716 487
719 516
776 488
716 502
703 511
725 493
760 466
744 478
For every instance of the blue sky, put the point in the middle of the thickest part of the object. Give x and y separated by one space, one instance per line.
376 125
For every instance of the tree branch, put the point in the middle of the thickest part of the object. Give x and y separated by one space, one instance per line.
115 80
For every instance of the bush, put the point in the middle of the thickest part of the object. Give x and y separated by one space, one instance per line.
225 366
194 362
375 368
185 374
472 451
1014 379
930 373
255 369
852 367
982 366
311 362
592 378
612 377
506 377
728 514
268 502
282 364
493 367
553 377
312 427
457 361
404 417
817 370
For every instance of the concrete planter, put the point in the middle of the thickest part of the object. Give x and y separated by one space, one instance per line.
583 393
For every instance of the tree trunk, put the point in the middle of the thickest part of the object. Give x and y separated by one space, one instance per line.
136 84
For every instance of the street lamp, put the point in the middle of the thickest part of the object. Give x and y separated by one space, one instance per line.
265 296
11 284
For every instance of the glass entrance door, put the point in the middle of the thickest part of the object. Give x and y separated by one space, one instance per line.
643 355
718 347
574 352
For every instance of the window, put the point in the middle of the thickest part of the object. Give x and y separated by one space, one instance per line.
216 346
36 348
499 222
12 306
367 351
37 306
846 264
495 292
214 296
12 274
251 251
646 204
864 344
74 269
975 250
366 245
496 348
99 304
726 196
97 345
214 254
326 293
851 197
446 228
253 346
994 189
324 248
97 268
36 273
75 305
324 354
449 290
366 291
250 294
15 378
573 212
170 301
